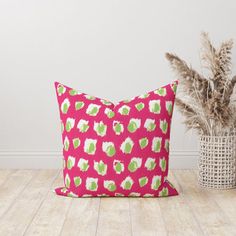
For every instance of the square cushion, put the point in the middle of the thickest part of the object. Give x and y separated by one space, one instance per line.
116 149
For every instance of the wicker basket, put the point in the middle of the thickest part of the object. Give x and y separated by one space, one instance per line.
217 162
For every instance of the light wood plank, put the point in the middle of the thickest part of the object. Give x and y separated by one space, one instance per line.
177 215
82 217
12 186
114 217
25 206
146 217
52 213
226 199
28 205
212 219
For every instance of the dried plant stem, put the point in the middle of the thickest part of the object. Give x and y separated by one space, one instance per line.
208 104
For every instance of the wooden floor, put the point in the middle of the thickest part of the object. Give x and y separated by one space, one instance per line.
28 206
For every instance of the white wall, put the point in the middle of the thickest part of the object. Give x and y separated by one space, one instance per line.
112 49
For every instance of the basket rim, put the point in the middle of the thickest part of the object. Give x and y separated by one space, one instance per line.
233 134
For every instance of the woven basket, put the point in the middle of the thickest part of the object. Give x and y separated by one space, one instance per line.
217 161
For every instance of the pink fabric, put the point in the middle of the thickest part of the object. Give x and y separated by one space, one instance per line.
116 150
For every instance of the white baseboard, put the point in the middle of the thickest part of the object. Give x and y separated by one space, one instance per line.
53 160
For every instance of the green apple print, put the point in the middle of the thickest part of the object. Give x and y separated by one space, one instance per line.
76 142
71 194
89 97
66 144
164 192
144 95
64 164
62 127
90 146
156 182
77 181
103 195
100 128
64 190
134 164
109 113
65 106
154 106
109 148
167 145
83 126
118 166
92 184
143 142
148 195
133 194
127 146
139 106
156 144
93 109
164 126
133 125
105 102
70 162
70 124
60 89
73 92
67 181
143 181
150 164
119 195
110 185
100 167
160 91
169 107
86 195
162 164
124 110
174 87
127 183
118 127
150 125
83 165
79 105
126 100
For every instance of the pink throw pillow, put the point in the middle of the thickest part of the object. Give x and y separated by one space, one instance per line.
116 149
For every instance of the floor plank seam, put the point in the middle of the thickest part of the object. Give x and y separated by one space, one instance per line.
66 215
40 205
99 208
165 223
130 218
163 218
189 205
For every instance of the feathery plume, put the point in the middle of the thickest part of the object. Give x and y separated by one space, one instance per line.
206 102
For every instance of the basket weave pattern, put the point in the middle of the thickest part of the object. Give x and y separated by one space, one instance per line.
217 162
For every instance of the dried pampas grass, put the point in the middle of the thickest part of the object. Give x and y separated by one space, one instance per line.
207 102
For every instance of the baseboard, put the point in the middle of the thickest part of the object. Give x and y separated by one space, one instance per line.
53 160
183 159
